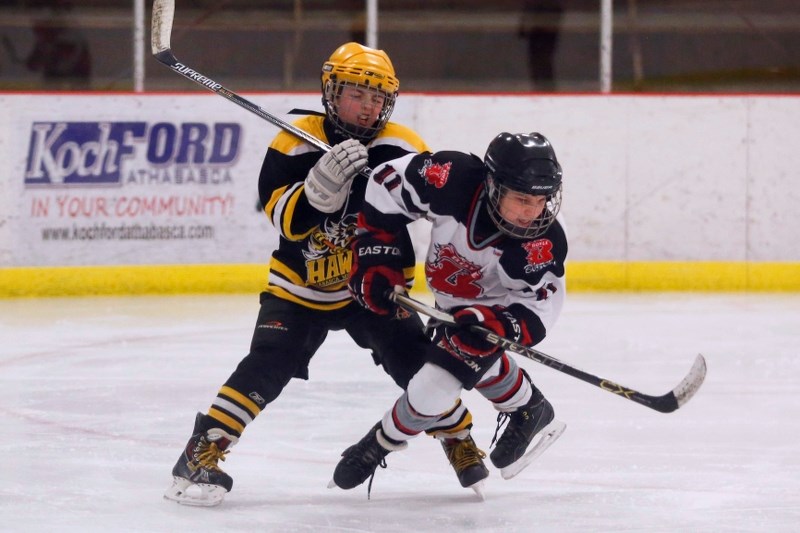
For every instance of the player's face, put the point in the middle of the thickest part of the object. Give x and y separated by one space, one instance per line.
359 107
521 209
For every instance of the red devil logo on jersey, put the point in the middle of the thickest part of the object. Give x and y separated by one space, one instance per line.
539 254
434 173
452 274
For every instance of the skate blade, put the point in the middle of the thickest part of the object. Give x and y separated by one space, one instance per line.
546 437
478 488
185 492
332 484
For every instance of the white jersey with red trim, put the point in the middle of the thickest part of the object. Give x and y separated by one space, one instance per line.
469 260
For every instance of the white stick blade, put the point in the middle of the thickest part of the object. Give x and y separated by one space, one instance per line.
161 27
691 383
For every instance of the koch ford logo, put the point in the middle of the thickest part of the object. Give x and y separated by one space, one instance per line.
92 153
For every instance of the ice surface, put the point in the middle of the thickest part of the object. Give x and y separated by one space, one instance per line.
98 395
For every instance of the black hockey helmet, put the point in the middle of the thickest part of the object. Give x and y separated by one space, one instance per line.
525 163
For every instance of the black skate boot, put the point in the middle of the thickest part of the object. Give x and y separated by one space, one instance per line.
197 479
537 420
467 460
360 460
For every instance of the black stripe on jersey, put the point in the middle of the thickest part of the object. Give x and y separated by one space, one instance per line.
392 223
380 153
284 294
409 204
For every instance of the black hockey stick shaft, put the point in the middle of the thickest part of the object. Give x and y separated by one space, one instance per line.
161 30
665 403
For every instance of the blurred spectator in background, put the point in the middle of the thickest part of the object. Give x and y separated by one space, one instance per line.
540 26
60 51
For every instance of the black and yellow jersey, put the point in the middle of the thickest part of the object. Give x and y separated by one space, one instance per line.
313 258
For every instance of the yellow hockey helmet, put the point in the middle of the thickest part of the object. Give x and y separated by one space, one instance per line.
356 65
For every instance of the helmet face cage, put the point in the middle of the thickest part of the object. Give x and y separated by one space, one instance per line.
537 227
330 97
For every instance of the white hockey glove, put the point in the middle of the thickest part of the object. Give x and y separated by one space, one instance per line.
328 182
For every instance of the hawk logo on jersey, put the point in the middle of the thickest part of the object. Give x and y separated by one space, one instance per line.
329 258
331 236
452 274
434 173
539 254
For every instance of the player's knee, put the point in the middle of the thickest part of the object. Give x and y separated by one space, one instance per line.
433 390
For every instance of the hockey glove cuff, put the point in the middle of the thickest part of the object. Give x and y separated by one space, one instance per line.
377 269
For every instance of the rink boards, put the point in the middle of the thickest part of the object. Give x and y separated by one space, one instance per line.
156 193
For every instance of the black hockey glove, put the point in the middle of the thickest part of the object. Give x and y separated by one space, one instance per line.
377 268
496 318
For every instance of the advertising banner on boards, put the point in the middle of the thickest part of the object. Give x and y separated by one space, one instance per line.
153 179
117 182
136 181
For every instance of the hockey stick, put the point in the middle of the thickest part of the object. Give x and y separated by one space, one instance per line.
665 403
161 30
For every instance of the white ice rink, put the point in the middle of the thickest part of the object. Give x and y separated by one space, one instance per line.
98 395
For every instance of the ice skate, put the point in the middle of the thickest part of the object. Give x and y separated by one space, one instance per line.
467 460
197 479
530 431
360 460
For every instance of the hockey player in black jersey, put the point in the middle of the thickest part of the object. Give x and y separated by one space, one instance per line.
313 199
496 258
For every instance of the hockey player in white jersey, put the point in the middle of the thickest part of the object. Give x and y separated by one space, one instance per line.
496 259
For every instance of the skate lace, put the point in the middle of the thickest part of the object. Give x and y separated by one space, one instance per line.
209 455
464 454
382 464
502 418
363 457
